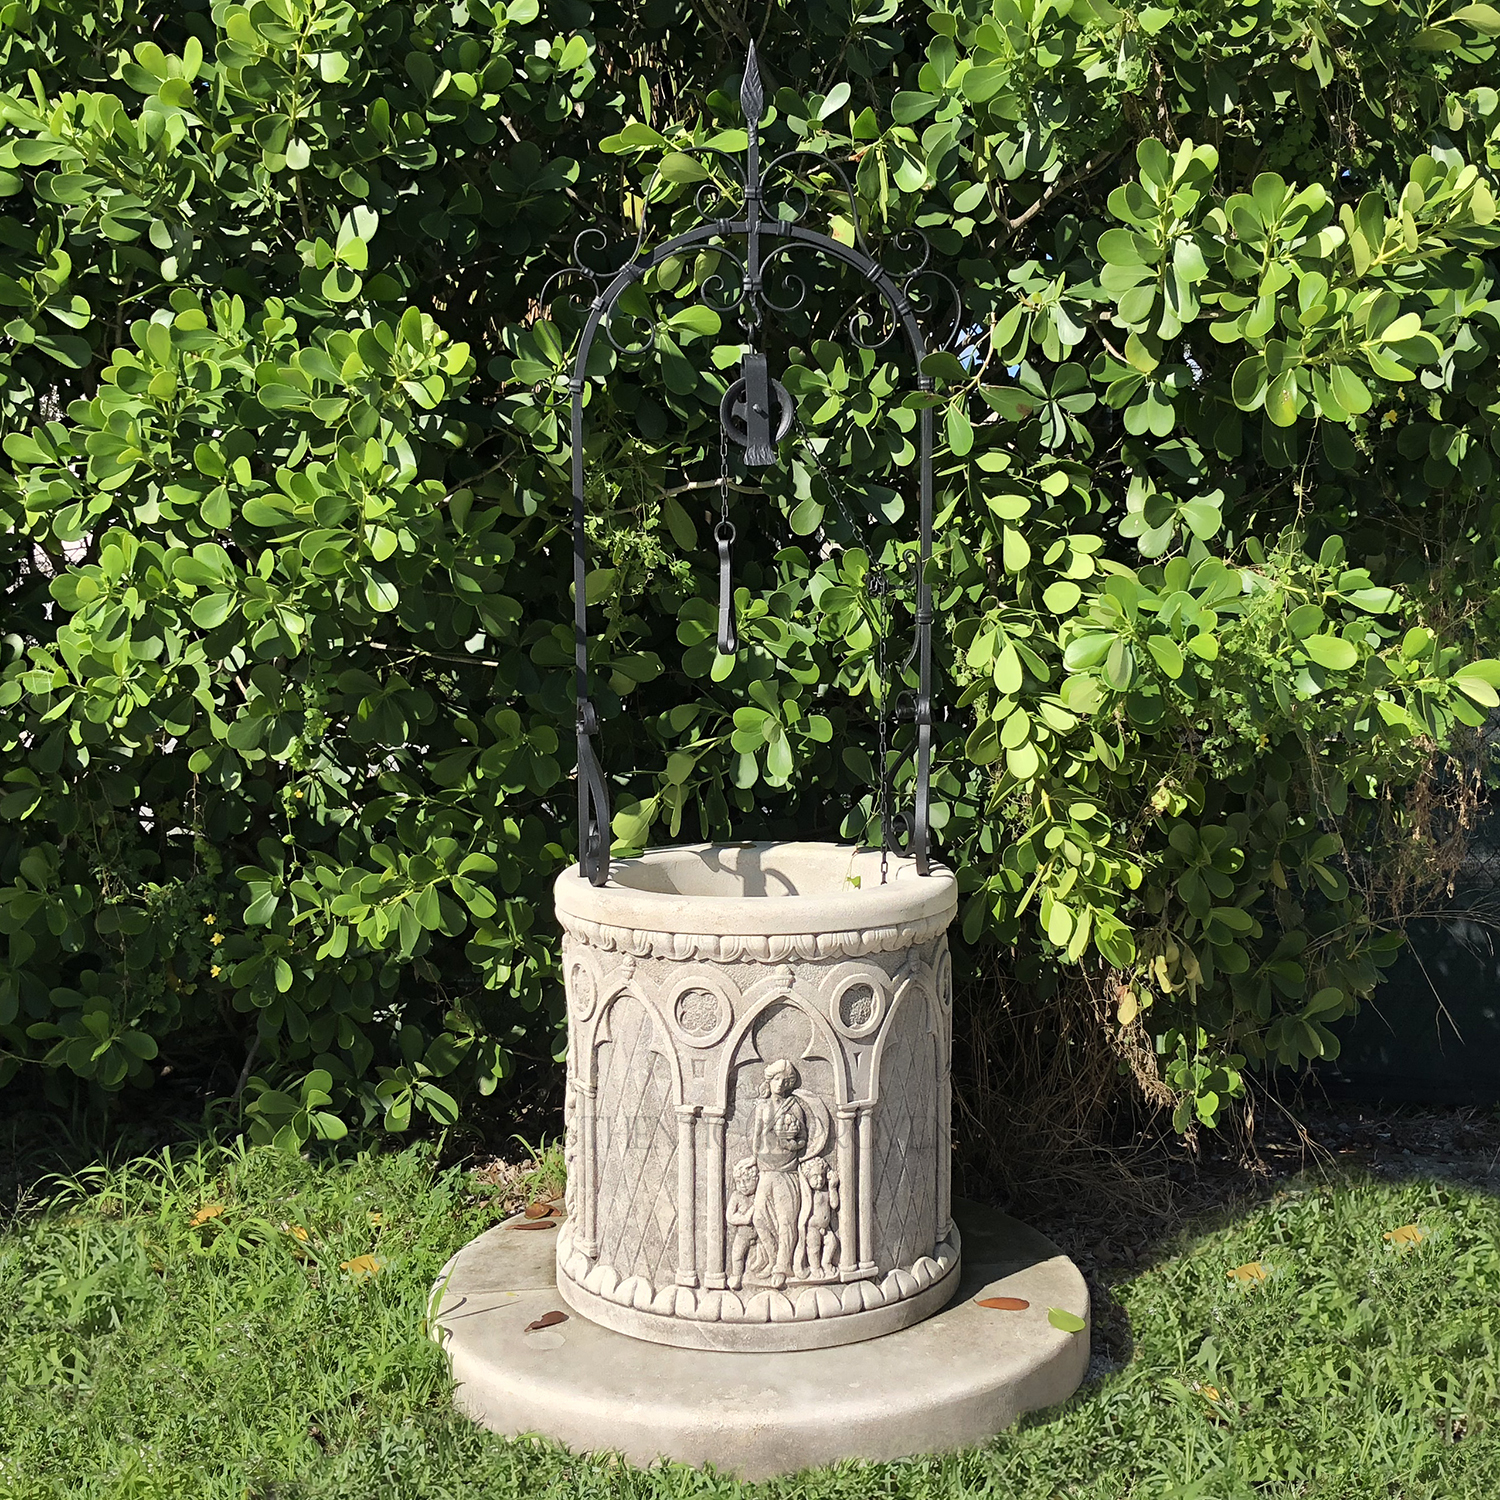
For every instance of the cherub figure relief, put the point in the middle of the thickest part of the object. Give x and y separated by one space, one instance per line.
741 1218
818 1244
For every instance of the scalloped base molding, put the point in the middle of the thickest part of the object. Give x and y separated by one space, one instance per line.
756 1319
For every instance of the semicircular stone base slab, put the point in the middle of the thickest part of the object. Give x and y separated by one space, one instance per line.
958 1377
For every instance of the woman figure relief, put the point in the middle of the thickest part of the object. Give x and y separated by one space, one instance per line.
778 1137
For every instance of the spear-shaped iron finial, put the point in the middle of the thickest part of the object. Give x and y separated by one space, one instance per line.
753 102
752 93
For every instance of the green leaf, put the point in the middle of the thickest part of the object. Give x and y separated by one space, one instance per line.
1085 651
1062 596
1406 326
982 84
1065 1321
439 1104
1007 673
678 167
943 366
262 909
1283 399
684 533
778 755
960 431
1477 688
1304 620
907 107
1119 665
1486 669
696 319
1484 18
1378 601
1325 1002
1166 654
1248 385
1023 762
1331 651
381 594
212 610
838 97
1435 39
598 585
260 512
1352 393
806 517
75 353
1203 518
1123 247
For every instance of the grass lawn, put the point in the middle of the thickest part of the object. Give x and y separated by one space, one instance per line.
202 1324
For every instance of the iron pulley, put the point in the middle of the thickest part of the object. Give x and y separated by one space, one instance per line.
747 411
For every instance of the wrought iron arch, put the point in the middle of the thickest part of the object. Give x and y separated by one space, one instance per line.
754 228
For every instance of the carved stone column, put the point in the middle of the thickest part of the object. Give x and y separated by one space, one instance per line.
849 1243
588 1197
786 997
866 1263
687 1186
713 1276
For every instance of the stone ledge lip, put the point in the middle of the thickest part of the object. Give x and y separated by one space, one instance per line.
758 890
957 1378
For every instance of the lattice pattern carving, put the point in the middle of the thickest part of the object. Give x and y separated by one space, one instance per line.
906 1168
637 1149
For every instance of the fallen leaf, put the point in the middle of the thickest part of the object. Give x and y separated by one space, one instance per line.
1005 1304
1211 1391
538 1210
547 1320
1406 1236
376 1218
204 1214
1251 1272
534 1224
1060 1317
361 1265
296 1231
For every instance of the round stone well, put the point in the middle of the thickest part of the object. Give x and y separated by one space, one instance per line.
758 1140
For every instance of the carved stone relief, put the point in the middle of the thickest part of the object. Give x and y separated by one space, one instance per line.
757 1149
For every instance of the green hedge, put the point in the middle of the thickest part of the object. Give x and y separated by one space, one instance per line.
287 735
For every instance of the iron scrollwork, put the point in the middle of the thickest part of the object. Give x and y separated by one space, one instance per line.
765 211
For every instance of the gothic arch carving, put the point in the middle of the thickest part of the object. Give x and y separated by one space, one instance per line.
766 998
661 1034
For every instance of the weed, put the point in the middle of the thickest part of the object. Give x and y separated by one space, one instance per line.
546 1175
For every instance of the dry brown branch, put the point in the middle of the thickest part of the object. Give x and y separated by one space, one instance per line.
1045 1115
